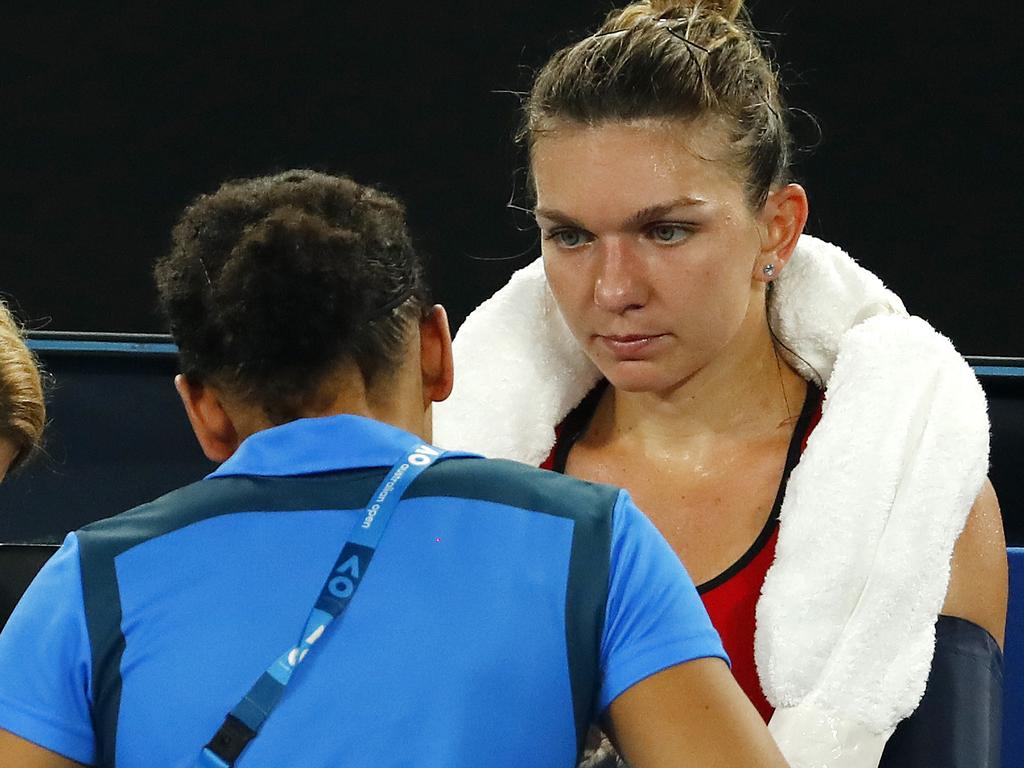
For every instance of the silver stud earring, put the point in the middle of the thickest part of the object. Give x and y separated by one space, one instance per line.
769 270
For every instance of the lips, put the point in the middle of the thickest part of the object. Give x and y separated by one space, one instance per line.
634 346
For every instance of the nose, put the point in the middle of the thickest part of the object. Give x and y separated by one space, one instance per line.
619 285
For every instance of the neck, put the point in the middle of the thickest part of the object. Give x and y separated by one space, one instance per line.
747 391
396 401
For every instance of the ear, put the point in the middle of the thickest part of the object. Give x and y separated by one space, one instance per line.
436 363
212 425
782 221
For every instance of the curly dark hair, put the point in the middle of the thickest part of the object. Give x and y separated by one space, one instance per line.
271 283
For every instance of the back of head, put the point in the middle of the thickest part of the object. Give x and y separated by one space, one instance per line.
672 59
22 408
272 283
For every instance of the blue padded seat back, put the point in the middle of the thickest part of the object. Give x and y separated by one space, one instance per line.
19 564
1013 668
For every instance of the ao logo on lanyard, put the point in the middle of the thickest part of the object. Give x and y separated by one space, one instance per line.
245 720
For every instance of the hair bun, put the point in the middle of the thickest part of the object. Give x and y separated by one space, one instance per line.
643 12
728 9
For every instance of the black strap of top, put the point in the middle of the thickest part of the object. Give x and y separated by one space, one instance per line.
576 424
578 421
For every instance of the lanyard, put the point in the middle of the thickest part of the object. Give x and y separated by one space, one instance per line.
245 720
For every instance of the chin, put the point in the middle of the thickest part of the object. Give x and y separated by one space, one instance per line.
640 376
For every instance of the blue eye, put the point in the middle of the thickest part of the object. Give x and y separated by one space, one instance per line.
568 238
668 233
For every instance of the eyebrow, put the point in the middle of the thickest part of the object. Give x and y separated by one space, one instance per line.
657 211
640 217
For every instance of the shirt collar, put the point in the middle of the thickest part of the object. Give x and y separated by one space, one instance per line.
324 444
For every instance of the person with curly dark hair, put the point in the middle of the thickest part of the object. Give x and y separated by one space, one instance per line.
505 604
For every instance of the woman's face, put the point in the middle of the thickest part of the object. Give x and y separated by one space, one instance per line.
8 452
650 248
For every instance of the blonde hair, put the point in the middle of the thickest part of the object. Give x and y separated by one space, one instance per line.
668 9
665 59
22 407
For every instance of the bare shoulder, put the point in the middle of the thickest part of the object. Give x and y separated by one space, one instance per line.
978 583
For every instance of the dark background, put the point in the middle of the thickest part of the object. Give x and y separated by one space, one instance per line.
114 117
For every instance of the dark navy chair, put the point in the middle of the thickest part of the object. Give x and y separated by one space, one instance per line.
19 564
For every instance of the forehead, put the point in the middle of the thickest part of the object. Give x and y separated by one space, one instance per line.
632 164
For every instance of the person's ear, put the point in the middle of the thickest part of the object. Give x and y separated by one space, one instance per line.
782 221
210 422
436 363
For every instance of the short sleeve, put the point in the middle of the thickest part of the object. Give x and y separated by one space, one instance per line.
45 662
654 619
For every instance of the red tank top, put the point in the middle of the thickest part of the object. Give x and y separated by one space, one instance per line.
730 597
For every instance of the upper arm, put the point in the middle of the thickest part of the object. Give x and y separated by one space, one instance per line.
978 582
15 752
692 714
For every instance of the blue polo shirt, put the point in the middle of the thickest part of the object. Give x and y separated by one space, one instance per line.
505 608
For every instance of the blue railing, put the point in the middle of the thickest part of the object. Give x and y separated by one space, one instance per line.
70 342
